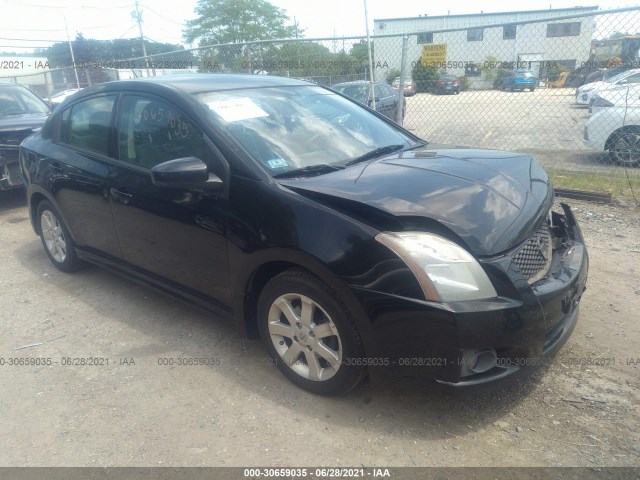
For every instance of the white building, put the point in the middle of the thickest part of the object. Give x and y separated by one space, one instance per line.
29 71
535 39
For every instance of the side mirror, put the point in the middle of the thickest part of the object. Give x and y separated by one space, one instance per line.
187 172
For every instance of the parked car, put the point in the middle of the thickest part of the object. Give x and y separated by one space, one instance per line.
585 94
604 74
409 86
578 76
59 97
520 79
614 126
447 84
21 111
386 98
345 242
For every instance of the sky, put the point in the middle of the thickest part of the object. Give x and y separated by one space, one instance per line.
28 24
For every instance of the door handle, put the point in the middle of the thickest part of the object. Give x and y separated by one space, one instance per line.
122 197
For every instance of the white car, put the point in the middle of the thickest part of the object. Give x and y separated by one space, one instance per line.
59 97
614 125
586 93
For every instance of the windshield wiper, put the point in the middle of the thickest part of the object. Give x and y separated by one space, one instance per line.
311 170
376 153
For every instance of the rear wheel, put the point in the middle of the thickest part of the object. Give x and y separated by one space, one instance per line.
309 333
624 148
56 240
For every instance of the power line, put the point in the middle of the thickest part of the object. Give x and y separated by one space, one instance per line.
158 14
31 40
80 7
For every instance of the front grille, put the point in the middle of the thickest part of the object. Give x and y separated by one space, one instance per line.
534 256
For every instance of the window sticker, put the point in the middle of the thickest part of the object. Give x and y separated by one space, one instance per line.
237 109
277 163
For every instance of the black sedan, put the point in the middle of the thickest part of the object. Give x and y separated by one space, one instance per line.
447 84
345 242
21 111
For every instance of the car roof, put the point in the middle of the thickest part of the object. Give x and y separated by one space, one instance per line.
355 82
6 84
206 82
193 83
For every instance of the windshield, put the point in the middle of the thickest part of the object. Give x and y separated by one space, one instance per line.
621 76
16 100
289 128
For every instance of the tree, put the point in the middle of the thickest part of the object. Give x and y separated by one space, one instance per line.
392 75
360 52
91 51
235 21
424 77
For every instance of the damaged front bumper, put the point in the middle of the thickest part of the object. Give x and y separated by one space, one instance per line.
479 342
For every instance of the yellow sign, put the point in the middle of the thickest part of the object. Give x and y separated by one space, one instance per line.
434 54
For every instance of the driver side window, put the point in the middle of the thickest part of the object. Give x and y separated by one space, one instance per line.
152 132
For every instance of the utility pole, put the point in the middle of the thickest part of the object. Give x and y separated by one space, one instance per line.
371 88
73 58
137 16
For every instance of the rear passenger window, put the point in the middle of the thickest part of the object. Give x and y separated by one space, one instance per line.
87 124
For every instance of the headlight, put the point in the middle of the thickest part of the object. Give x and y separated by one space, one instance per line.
446 272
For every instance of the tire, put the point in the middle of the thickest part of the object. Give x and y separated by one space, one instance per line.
624 148
532 89
294 309
55 238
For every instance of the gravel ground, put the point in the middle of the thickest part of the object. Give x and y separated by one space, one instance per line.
582 410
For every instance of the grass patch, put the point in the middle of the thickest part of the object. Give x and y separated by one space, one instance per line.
624 184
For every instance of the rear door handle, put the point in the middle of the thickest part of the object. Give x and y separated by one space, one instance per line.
122 197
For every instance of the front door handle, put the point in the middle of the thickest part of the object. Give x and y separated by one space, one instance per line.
122 197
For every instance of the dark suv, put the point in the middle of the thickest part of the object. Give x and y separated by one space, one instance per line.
21 111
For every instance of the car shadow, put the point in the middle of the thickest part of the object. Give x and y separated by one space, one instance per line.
167 328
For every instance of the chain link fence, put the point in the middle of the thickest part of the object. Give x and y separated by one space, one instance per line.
521 81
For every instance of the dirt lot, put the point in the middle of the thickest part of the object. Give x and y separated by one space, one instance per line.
581 411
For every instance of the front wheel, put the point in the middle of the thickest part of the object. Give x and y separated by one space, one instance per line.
56 240
309 334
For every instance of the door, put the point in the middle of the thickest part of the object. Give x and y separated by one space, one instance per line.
80 167
386 100
174 234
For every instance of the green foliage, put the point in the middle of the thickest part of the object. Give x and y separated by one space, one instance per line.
424 77
392 75
235 21
91 51
464 83
360 53
488 68
500 74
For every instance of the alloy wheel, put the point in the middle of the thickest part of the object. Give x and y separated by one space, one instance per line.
305 337
53 236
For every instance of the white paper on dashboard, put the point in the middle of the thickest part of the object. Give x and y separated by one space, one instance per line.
237 109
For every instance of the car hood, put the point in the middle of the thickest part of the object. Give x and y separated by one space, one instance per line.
492 200
594 86
22 122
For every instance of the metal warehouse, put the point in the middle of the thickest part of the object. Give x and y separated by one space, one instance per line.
535 39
